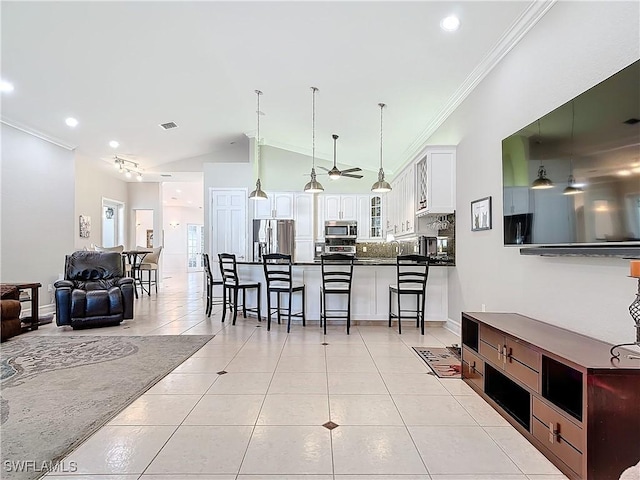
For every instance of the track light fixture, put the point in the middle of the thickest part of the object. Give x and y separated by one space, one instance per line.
127 167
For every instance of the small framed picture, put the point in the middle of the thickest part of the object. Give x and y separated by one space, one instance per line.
85 226
149 238
481 214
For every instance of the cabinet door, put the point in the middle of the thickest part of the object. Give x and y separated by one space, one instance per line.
376 217
304 251
228 223
332 207
349 207
303 215
364 217
516 200
263 209
410 203
283 205
441 191
320 216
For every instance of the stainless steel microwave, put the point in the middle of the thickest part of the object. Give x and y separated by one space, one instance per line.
343 229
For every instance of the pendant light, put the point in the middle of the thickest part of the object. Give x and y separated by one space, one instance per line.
258 194
542 182
313 186
334 173
571 188
381 186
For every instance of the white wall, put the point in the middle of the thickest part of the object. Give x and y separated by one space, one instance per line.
145 196
38 215
92 184
574 46
174 254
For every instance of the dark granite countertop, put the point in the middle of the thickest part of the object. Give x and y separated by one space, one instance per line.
374 262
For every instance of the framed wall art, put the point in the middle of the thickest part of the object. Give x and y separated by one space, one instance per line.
481 214
85 226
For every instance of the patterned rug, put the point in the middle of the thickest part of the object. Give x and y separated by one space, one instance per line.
445 362
57 391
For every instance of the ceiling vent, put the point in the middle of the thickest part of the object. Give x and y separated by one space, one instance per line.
165 175
169 125
632 121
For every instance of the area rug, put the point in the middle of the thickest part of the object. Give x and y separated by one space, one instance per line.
445 362
57 391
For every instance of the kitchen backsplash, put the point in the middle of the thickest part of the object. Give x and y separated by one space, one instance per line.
399 247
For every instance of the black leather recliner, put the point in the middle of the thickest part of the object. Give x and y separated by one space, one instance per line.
95 292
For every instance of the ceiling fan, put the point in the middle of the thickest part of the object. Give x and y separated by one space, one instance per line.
334 173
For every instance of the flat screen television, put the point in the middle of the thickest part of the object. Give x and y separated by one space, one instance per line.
587 153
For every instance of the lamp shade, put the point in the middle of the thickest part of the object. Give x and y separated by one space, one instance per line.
542 181
258 194
381 186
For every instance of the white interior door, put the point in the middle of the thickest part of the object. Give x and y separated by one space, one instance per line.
195 246
112 223
228 225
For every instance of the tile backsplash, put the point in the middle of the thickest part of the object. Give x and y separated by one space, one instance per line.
400 247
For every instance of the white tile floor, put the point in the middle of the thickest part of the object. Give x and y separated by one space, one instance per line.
263 419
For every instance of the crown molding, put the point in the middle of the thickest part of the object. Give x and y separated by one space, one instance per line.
534 12
35 133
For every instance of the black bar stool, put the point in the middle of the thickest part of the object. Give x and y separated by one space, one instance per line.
211 282
412 273
231 282
277 273
337 273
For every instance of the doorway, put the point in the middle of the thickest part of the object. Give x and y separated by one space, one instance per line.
144 228
112 223
195 247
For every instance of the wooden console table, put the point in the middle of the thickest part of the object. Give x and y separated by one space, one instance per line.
34 319
560 389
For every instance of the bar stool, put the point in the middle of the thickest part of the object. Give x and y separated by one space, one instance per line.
337 273
230 281
277 273
211 282
412 273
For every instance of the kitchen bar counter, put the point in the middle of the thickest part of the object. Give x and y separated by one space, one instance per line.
370 290
376 262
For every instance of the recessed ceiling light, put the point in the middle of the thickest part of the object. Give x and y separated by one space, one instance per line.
178 190
114 144
6 86
624 173
71 122
450 23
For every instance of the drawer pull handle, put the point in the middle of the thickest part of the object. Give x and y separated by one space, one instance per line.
473 367
499 352
508 355
554 433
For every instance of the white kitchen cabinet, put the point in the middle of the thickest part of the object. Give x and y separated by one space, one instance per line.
278 205
401 201
516 200
339 207
370 211
303 215
436 181
304 250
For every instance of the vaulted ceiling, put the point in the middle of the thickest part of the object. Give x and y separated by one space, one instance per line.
123 68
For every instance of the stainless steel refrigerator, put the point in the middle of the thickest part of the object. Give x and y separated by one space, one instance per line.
273 236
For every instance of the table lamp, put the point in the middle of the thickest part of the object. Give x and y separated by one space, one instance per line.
634 311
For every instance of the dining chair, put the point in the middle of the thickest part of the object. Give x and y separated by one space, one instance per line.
211 282
411 277
231 285
337 276
279 278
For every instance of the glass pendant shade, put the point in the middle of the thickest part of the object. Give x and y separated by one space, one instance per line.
542 182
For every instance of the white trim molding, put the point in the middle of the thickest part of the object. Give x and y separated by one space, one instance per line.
40 135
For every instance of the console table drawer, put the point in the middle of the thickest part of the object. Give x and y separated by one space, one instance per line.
561 449
524 374
567 430
492 337
472 368
523 354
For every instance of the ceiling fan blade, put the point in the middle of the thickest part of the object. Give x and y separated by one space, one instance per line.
350 175
323 168
349 170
